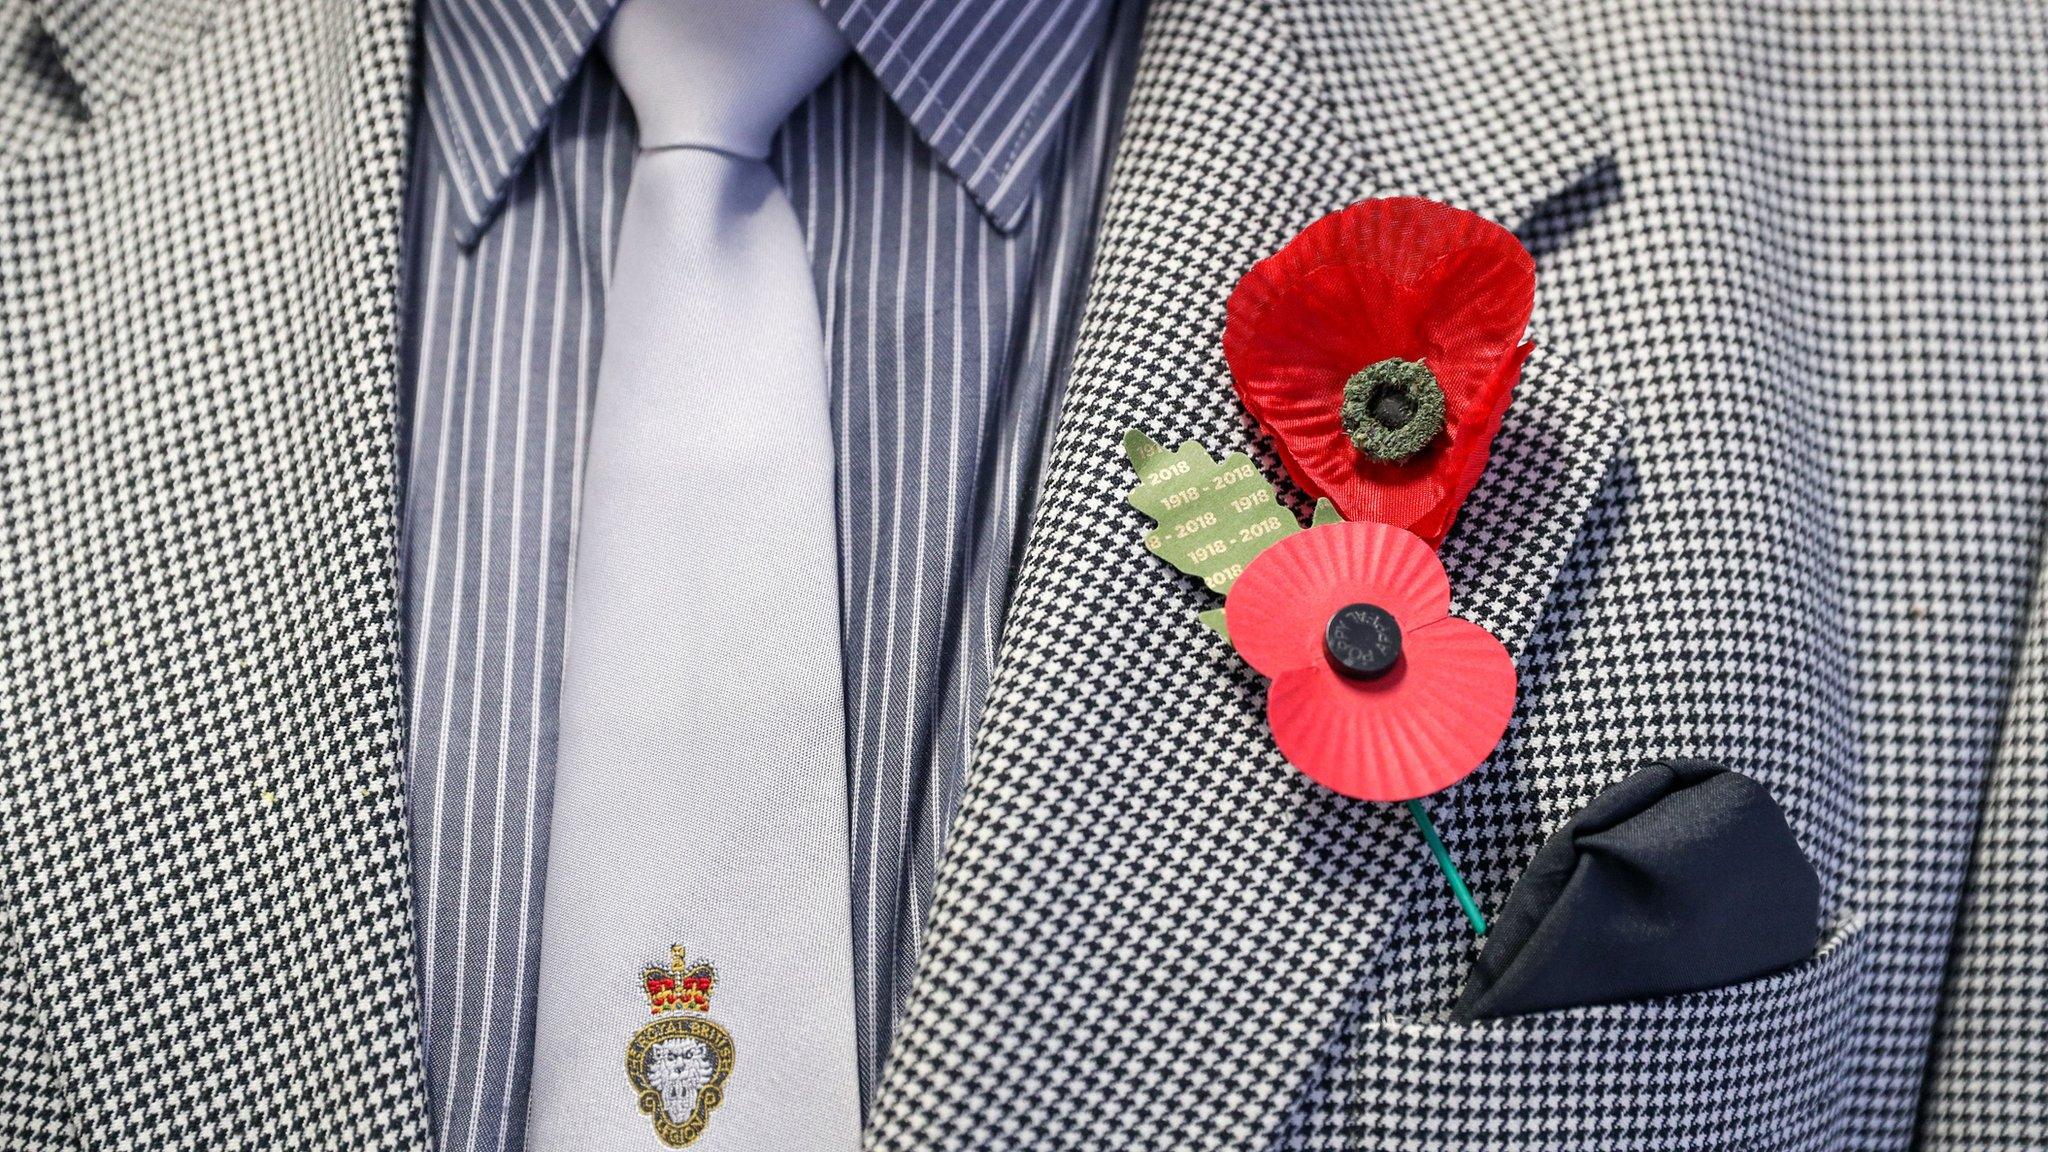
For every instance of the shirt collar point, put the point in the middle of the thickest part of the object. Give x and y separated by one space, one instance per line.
487 115
1004 198
478 186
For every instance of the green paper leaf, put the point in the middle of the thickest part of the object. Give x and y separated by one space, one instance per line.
1325 513
1214 619
1213 516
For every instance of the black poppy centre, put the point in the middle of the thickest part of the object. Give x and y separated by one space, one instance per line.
1363 641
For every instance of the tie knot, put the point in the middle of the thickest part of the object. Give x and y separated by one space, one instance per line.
720 74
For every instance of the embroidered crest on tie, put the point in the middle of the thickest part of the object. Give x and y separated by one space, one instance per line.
679 1061
1379 349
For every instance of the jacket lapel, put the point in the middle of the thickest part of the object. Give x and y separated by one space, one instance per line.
113 49
1147 924
1471 102
205 882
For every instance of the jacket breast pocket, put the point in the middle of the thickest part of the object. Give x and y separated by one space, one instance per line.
1756 1066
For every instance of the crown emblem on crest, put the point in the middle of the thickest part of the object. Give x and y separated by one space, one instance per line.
678 1062
679 987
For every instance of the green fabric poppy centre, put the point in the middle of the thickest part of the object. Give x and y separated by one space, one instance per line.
1393 409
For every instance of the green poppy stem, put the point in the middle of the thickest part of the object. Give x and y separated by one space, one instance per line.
1443 861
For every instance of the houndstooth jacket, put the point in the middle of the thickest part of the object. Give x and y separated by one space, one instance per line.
1771 492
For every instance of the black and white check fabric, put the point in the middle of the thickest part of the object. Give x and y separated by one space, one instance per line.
204 940
1986 1087
1784 437
1771 491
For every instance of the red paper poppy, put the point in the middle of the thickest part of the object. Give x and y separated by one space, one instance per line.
1388 704
1387 285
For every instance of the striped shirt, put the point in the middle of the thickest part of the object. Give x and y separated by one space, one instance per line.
946 180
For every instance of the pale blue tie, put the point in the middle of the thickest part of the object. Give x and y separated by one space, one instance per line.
700 781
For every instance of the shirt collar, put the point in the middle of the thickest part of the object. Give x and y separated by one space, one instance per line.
983 84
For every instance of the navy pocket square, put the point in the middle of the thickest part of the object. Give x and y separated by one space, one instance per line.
1683 877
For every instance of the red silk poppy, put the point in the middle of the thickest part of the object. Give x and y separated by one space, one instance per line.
1400 281
1393 714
